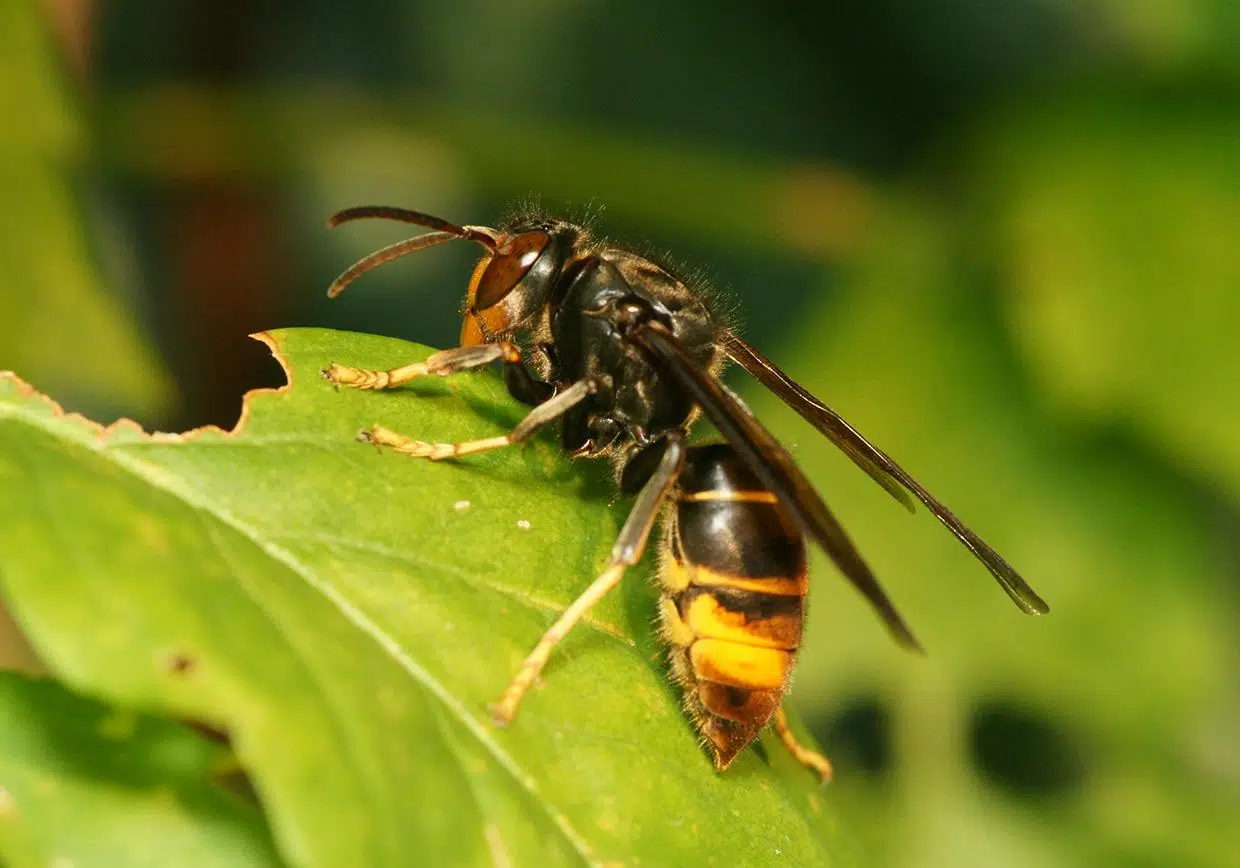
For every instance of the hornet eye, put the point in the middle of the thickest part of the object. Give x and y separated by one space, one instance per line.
511 262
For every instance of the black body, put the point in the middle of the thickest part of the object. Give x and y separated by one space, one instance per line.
590 325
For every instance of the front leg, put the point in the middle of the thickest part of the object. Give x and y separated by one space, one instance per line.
443 364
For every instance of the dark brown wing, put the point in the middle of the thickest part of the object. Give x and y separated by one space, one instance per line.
881 468
771 463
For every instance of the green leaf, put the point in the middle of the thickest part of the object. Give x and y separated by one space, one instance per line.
58 323
84 784
347 616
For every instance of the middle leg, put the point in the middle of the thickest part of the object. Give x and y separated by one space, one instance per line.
548 411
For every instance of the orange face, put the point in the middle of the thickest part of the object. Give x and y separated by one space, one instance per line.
472 328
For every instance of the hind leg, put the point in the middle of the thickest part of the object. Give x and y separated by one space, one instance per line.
811 759
627 551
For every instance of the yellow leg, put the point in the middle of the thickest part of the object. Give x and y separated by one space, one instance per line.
506 709
549 410
628 550
381 436
361 378
811 759
442 363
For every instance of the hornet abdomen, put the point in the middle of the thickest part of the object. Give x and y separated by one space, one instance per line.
734 580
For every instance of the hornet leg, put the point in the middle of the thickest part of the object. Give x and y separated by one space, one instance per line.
442 363
811 759
548 411
628 550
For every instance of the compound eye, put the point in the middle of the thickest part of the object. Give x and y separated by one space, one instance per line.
508 265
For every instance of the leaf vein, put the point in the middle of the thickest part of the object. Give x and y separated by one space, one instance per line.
409 559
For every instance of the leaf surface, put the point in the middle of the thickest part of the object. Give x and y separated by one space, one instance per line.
347 616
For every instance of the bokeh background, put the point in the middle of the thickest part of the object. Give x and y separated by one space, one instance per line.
1002 238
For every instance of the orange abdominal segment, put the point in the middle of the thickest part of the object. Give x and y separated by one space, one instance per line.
740 665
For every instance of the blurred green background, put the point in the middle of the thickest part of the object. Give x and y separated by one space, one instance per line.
1001 238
